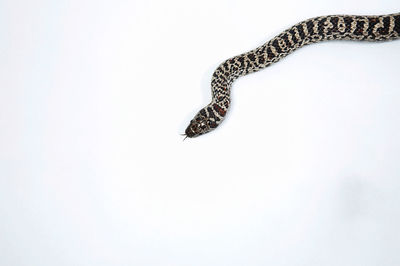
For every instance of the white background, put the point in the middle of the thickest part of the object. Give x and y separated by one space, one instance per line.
94 94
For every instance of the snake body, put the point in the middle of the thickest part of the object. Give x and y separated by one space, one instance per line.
323 28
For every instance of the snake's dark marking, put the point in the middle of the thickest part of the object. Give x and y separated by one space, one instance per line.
337 27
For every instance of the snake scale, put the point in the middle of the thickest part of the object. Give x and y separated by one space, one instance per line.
323 28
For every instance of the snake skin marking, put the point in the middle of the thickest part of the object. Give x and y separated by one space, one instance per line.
335 27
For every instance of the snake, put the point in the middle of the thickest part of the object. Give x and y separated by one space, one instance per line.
373 28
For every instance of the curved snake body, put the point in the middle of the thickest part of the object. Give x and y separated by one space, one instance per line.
335 27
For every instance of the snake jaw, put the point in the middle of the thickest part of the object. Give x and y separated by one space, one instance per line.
189 132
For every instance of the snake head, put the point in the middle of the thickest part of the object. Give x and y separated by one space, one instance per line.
203 122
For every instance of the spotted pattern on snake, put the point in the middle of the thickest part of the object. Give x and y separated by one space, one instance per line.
323 28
